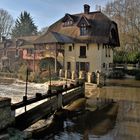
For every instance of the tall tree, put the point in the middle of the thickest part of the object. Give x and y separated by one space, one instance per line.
24 26
6 23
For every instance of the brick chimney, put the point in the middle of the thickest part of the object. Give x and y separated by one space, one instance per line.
86 8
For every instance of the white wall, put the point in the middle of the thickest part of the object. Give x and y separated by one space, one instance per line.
96 56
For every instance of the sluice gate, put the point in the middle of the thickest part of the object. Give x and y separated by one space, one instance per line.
56 100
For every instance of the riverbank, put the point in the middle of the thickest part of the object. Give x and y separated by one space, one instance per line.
7 80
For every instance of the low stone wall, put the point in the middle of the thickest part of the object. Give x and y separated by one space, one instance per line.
73 95
90 77
7 117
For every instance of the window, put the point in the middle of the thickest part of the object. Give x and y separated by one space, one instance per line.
98 46
83 29
106 51
82 66
30 51
109 52
68 23
70 48
103 65
77 66
68 66
82 52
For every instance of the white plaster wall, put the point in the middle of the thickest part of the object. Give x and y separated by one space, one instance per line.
94 56
106 59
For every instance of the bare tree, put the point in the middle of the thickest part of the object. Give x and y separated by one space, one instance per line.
43 30
127 15
6 23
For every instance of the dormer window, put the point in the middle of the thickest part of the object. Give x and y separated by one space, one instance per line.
68 20
68 23
83 29
84 26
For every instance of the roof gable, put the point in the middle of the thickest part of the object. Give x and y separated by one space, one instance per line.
83 20
68 17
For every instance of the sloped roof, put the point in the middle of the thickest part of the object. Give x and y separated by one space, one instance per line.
27 46
54 37
99 29
28 38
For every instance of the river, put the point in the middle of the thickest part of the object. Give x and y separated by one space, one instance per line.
87 125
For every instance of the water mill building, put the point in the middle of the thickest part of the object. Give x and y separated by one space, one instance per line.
85 41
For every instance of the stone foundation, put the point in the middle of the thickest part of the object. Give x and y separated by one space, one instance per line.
7 117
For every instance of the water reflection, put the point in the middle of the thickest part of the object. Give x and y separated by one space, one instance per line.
84 125
127 94
88 125
101 126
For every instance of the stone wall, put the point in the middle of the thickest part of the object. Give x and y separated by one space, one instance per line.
7 117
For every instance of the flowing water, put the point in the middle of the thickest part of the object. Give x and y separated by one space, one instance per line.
89 125
16 91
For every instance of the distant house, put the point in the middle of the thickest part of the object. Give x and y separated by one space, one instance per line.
27 52
7 54
15 51
86 41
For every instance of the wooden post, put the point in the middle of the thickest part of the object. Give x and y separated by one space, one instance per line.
34 61
56 58
59 98
25 97
98 78
50 76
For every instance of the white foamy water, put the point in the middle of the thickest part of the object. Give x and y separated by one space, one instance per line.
16 91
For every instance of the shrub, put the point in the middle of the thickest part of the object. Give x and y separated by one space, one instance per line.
132 72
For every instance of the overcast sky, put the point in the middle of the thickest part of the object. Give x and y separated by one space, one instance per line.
46 12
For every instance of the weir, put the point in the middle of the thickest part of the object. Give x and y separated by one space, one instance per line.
56 101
